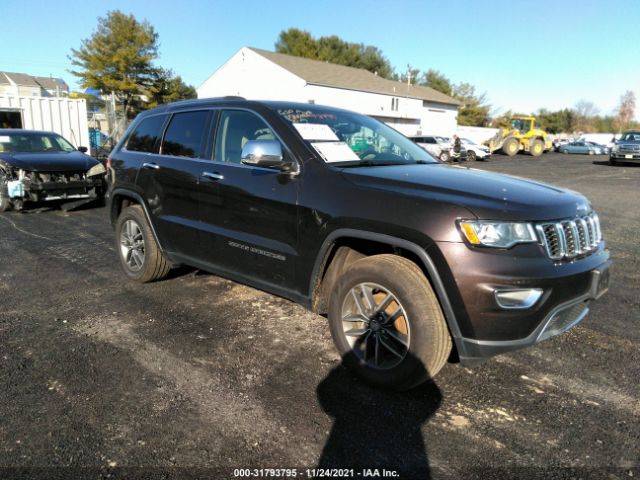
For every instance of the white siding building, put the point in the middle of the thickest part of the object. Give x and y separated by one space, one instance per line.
24 85
262 75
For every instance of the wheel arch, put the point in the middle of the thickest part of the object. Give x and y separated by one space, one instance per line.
121 199
374 243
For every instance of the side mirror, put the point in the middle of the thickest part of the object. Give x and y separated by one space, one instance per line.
263 153
83 149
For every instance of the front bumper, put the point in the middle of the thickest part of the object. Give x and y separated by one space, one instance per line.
486 328
562 318
35 191
625 157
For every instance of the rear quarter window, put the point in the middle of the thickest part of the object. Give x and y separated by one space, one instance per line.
146 136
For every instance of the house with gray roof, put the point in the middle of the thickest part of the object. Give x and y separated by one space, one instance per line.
262 75
24 85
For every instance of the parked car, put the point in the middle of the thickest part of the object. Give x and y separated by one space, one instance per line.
439 147
475 151
626 149
600 149
408 257
579 146
559 142
40 166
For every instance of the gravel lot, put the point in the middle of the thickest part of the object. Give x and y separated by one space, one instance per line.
196 375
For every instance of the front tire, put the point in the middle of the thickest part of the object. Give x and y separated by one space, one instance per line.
140 257
445 156
387 324
511 147
471 156
612 161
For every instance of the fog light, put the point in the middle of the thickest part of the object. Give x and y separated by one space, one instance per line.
515 299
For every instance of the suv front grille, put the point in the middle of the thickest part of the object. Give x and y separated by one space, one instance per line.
570 238
629 149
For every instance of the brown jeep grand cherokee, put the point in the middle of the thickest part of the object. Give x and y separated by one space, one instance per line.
410 258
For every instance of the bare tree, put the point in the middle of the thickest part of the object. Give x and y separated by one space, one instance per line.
626 110
584 113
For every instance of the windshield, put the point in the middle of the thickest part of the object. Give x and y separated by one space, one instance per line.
468 142
443 139
521 124
33 142
345 138
630 137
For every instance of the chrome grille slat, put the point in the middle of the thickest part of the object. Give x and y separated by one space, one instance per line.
570 238
562 239
592 231
585 241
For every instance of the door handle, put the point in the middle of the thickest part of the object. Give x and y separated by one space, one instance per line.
152 166
213 176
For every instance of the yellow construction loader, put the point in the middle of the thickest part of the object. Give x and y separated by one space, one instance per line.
523 135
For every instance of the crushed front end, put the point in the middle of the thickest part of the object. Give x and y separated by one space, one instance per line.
22 186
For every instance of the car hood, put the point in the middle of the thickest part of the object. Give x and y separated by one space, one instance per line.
50 161
487 195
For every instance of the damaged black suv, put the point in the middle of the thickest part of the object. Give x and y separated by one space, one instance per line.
414 261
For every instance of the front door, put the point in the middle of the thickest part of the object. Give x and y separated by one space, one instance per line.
249 214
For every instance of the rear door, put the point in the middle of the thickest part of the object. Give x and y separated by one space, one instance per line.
170 180
249 214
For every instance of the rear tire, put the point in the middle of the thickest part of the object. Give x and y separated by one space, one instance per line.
565 151
385 304
140 257
511 146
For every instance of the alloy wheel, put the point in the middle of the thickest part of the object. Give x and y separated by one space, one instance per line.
132 245
376 326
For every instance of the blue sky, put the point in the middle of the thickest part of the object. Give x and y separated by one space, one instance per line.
523 54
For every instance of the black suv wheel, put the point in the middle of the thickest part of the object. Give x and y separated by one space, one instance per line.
387 323
140 257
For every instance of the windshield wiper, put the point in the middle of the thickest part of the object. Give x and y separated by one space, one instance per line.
372 163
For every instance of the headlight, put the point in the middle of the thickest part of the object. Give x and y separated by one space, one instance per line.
96 170
497 234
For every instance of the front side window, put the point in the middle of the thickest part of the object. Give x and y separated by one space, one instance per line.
146 136
372 142
185 135
235 129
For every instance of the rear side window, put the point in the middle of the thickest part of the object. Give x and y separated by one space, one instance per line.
146 136
185 135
